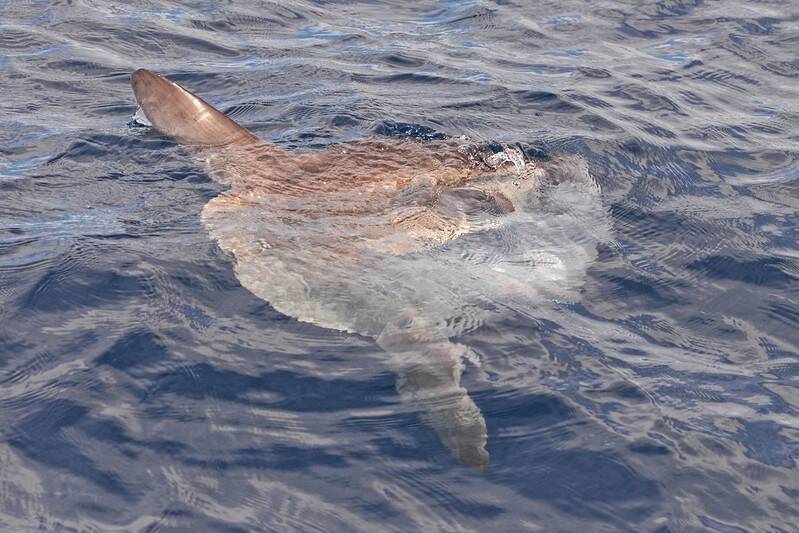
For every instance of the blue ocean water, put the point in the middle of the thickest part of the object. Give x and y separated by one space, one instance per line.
144 389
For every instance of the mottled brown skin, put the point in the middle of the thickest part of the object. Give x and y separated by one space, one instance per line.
407 179
370 173
369 165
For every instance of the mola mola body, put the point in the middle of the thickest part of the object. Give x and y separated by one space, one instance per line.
410 243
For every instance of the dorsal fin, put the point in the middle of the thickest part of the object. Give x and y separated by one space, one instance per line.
178 113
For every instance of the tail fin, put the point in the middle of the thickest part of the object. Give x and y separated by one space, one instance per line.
178 113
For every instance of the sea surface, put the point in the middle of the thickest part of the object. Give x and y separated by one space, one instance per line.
143 388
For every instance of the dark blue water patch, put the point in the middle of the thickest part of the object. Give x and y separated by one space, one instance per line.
402 60
702 322
785 312
409 78
567 350
774 351
283 16
672 8
197 317
649 448
544 101
764 443
83 150
643 325
97 147
20 371
537 466
771 272
55 292
75 66
404 129
40 437
636 227
760 25
213 82
294 392
630 31
400 450
480 16
641 291
742 47
594 73
474 105
214 26
345 121
138 348
633 351
212 524
658 131
113 433
534 150
274 457
198 45
598 122
533 412
588 476
658 171
742 164
720 527
623 391
642 98
113 110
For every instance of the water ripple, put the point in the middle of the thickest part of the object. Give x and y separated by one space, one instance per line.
143 388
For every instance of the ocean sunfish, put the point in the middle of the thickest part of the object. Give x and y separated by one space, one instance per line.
410 243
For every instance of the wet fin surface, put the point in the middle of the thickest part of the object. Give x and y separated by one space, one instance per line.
178 113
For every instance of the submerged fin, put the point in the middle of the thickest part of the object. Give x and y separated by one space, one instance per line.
428 378
178 113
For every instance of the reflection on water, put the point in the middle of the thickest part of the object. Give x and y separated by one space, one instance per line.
633 353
